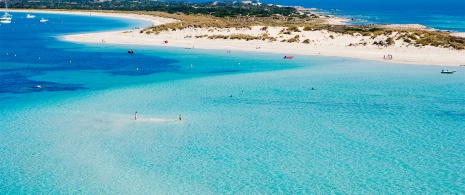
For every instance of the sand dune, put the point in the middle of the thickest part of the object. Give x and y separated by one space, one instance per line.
320 42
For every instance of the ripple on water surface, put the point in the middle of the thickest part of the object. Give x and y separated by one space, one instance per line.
247 133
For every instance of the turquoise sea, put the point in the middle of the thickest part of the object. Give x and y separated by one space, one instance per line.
447 15
251 123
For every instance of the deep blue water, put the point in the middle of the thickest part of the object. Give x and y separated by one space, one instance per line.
251 123
29 48
442 15
31 51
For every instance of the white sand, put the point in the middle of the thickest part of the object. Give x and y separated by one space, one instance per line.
459 34
320 42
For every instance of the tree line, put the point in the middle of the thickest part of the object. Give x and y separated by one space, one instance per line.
217 9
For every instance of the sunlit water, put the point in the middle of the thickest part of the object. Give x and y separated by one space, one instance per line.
446 15
251 123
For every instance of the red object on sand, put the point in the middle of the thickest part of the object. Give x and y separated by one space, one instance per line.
166 41
288 57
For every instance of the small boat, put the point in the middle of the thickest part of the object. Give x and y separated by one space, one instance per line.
448 71
130 51
43 20
30 16
288 57
6 18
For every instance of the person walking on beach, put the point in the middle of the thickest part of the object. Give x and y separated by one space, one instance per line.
135 115
389 57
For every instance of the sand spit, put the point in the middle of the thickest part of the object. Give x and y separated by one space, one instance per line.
320 42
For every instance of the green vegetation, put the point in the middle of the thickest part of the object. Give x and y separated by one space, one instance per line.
293 29
440 39
217 15
412 36
369 30
294 40
432 38
262 37
390 41
217 9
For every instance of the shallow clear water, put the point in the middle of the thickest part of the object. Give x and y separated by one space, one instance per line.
251 123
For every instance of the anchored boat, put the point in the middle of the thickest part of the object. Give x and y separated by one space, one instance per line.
6 18
448 71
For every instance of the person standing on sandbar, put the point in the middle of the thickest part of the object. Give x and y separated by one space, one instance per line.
180 117
135 115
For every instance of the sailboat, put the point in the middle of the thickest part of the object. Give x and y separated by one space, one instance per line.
6 18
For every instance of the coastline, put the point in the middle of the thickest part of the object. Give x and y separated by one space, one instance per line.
459 34
321 42
154 20
252 123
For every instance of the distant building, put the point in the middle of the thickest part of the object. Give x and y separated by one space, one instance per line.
251 2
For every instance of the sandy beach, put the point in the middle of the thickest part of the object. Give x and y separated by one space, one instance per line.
199 115
320 42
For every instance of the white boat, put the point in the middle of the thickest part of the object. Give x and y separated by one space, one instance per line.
43 20
30 16
6 18
448 71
